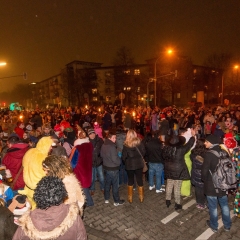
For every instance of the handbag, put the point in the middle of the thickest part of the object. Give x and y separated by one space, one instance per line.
145 168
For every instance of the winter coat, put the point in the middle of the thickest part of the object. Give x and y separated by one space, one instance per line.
132 158
32 167
107 121
81 161
154 151
121 137
58 222
7 225
97 143
197 162
164 127
13 161
111 161
174 163
210 163
74 190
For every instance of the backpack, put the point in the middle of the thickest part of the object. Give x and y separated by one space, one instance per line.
224 176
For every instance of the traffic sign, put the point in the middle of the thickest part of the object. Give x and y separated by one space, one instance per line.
121 96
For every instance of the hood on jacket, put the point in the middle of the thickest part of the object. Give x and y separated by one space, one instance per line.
18 150
44 144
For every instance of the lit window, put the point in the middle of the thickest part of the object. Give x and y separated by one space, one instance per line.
94 91
194 95
138 89
127 72
136 71
108 74
178 95
95 99
195 71
108 98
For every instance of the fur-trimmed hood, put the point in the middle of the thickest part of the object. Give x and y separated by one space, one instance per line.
81 141
48 224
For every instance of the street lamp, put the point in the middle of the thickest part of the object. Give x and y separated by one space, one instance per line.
150 80
3 63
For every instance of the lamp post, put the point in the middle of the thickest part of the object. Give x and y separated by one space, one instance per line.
150 80
155 82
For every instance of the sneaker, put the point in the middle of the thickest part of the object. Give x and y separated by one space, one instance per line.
226 229
208 224
158 191
121 202
151 188
162 189
163 185
106 201
202 207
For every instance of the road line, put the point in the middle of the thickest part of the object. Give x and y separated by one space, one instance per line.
174 214
208 233
189 204
169 217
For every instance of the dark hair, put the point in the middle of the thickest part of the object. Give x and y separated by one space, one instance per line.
111 133
199 148
50 191
181 130
13 139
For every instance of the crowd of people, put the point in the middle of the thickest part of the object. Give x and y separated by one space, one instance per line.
51 159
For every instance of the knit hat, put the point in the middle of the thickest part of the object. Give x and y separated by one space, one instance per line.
213 139
29 127
64 124
162 116
229 141
90 131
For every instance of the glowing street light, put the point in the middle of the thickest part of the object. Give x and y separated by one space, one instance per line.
169 51
3 63
236 66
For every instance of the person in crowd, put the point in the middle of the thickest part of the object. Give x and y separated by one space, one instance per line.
127 119
47 131
69 136
97 169
155 161
197 157
13 161
175 168
7 225
214 197
59 166
132 155
6 192
32 169
111 165
208 121
107 121
98 129
120 139
57 148
81 162
19 129
52 219
163 127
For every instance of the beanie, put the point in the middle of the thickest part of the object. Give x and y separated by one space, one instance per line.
213 139
90 131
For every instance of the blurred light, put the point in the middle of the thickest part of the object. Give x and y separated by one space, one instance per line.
236 66
33 83
86 106
20 116
169 51
3 63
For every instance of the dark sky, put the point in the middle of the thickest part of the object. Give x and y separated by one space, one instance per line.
41 36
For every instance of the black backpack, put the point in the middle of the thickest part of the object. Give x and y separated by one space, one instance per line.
224 176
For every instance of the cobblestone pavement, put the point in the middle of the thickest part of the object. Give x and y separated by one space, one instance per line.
143 220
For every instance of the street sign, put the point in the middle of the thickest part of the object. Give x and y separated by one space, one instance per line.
121 96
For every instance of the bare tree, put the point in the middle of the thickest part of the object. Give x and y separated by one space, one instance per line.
123 57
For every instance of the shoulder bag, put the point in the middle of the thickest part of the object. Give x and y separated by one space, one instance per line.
145 168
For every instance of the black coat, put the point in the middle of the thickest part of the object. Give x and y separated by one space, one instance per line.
132 158
97 143
7 225
154 151
210 163
163 127
174 163
196 177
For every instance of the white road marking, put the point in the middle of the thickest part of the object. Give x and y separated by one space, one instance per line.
174 214
208 233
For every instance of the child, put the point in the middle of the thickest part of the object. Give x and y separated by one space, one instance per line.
6 192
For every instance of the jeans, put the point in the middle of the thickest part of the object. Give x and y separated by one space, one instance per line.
212 205
99 172
88 197
111 179
155 169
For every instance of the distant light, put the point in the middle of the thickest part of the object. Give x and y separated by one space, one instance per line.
169 51
33 83
236 66
3 63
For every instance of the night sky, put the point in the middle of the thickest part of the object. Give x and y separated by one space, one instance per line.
40 36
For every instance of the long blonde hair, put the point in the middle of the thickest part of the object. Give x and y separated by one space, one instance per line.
57 166
132 139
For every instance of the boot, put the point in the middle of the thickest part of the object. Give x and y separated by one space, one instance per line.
130 194
168 203
178 206
141 194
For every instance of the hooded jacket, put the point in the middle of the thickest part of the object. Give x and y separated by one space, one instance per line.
13 161
32 167
58 222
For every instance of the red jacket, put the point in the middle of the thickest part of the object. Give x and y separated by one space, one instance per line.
19 131
13 161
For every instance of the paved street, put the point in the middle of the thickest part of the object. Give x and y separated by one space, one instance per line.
151 219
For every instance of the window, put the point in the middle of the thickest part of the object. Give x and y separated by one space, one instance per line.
194 95
95 99
136 71
178 95
108 98
94 91
138 89
195 71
